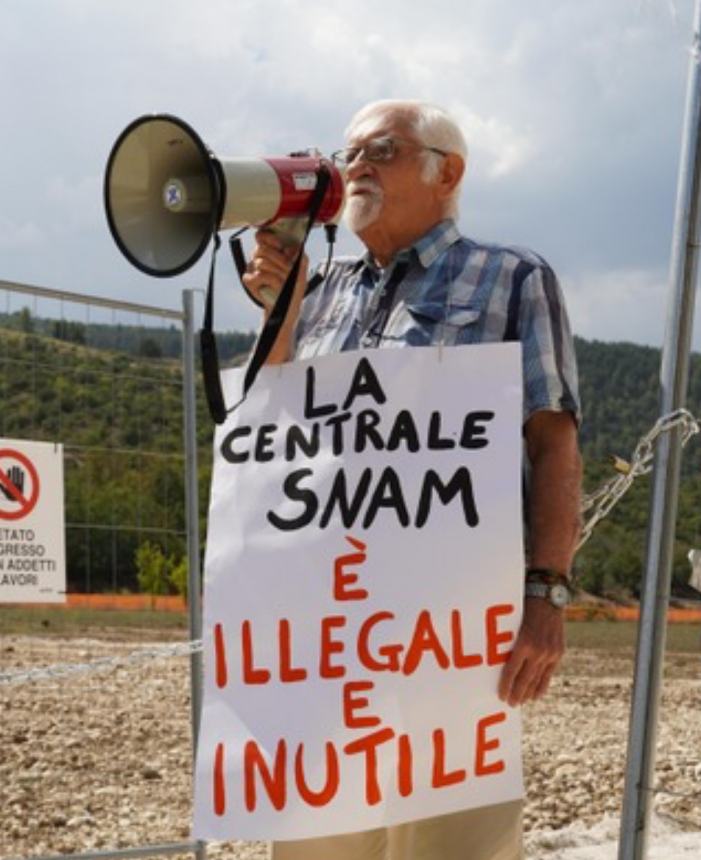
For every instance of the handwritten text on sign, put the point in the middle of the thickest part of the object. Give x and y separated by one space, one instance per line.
363 587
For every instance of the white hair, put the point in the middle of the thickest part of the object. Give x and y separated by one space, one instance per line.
431 125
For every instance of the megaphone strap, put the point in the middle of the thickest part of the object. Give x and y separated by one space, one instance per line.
271 329
208 348
274 323
239 258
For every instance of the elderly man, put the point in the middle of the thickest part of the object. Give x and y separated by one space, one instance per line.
422 283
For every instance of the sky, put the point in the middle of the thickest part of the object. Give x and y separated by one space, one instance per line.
573 113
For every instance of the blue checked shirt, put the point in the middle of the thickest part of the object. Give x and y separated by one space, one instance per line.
448 289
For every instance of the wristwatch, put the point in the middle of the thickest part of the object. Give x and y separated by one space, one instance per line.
548 585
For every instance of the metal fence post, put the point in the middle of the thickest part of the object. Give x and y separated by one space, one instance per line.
192 521
663 513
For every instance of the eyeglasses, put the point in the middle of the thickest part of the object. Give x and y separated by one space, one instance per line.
380 150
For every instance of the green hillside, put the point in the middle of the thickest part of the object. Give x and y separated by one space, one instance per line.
117 407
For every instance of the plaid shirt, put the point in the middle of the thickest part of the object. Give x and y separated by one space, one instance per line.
447 289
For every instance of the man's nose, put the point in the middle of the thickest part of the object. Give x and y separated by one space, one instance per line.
360 166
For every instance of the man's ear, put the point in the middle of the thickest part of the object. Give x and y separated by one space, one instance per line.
451 173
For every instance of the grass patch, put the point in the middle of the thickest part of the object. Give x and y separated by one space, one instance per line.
82 621
620 635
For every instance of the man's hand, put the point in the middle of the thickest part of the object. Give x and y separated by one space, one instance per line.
266 274
537 651
553 521
270 265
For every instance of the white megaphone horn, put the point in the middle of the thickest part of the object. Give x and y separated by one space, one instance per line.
166 194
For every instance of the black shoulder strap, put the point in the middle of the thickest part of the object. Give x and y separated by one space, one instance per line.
274 323
208 345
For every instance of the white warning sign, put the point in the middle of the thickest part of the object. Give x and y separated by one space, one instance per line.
32 535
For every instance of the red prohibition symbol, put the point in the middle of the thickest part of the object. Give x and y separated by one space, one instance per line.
26 502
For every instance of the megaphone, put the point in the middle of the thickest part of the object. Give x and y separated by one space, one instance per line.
166 194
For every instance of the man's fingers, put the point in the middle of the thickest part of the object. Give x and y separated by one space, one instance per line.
544 683
537 651
510 673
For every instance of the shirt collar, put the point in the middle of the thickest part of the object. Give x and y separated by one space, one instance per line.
428 248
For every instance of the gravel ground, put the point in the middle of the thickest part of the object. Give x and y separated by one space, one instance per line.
102 759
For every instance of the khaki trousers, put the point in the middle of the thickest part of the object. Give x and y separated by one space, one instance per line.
487 833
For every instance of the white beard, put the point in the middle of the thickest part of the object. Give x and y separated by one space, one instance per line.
362 210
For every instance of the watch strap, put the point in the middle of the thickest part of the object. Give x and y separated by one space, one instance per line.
546 575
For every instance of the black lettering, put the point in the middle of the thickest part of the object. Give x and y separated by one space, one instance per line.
472 432
388 494
310 410
403 431
336 425
227 446
348 510
297 494
264 440
435 442
296 440
461 482
366 422
364 383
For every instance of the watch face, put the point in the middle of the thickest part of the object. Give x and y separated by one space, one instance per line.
559 595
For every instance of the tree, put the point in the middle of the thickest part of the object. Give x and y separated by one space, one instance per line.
177 575
152 570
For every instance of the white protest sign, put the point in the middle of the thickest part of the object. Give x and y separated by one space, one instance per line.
32 543
363 587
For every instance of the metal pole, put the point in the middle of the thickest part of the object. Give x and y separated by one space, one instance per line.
663 512
194 593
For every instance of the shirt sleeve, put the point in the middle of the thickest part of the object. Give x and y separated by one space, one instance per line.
549 361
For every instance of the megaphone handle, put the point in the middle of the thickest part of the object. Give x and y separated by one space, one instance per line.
291 232
274 322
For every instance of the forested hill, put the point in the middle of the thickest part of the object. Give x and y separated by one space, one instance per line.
70 368
619 387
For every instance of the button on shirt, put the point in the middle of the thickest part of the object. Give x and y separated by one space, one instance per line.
447 289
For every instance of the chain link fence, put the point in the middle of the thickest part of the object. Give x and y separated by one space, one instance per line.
106 381
84 752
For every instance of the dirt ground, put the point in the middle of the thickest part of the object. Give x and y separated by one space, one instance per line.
102 759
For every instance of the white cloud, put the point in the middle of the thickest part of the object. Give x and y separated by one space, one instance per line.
19 236
572 111
618 305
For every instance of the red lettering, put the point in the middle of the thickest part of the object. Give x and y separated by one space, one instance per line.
483 746
352 703
424 639
440 777
218 781
460 659
328 792
342 580
274 783
495 638
221 674
368 745
391 652
288 672
330 646
251 675
405 766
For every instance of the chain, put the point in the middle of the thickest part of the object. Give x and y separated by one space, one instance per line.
609 494
600 502
63 670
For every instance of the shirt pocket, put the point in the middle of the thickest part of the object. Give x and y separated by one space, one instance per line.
433 323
